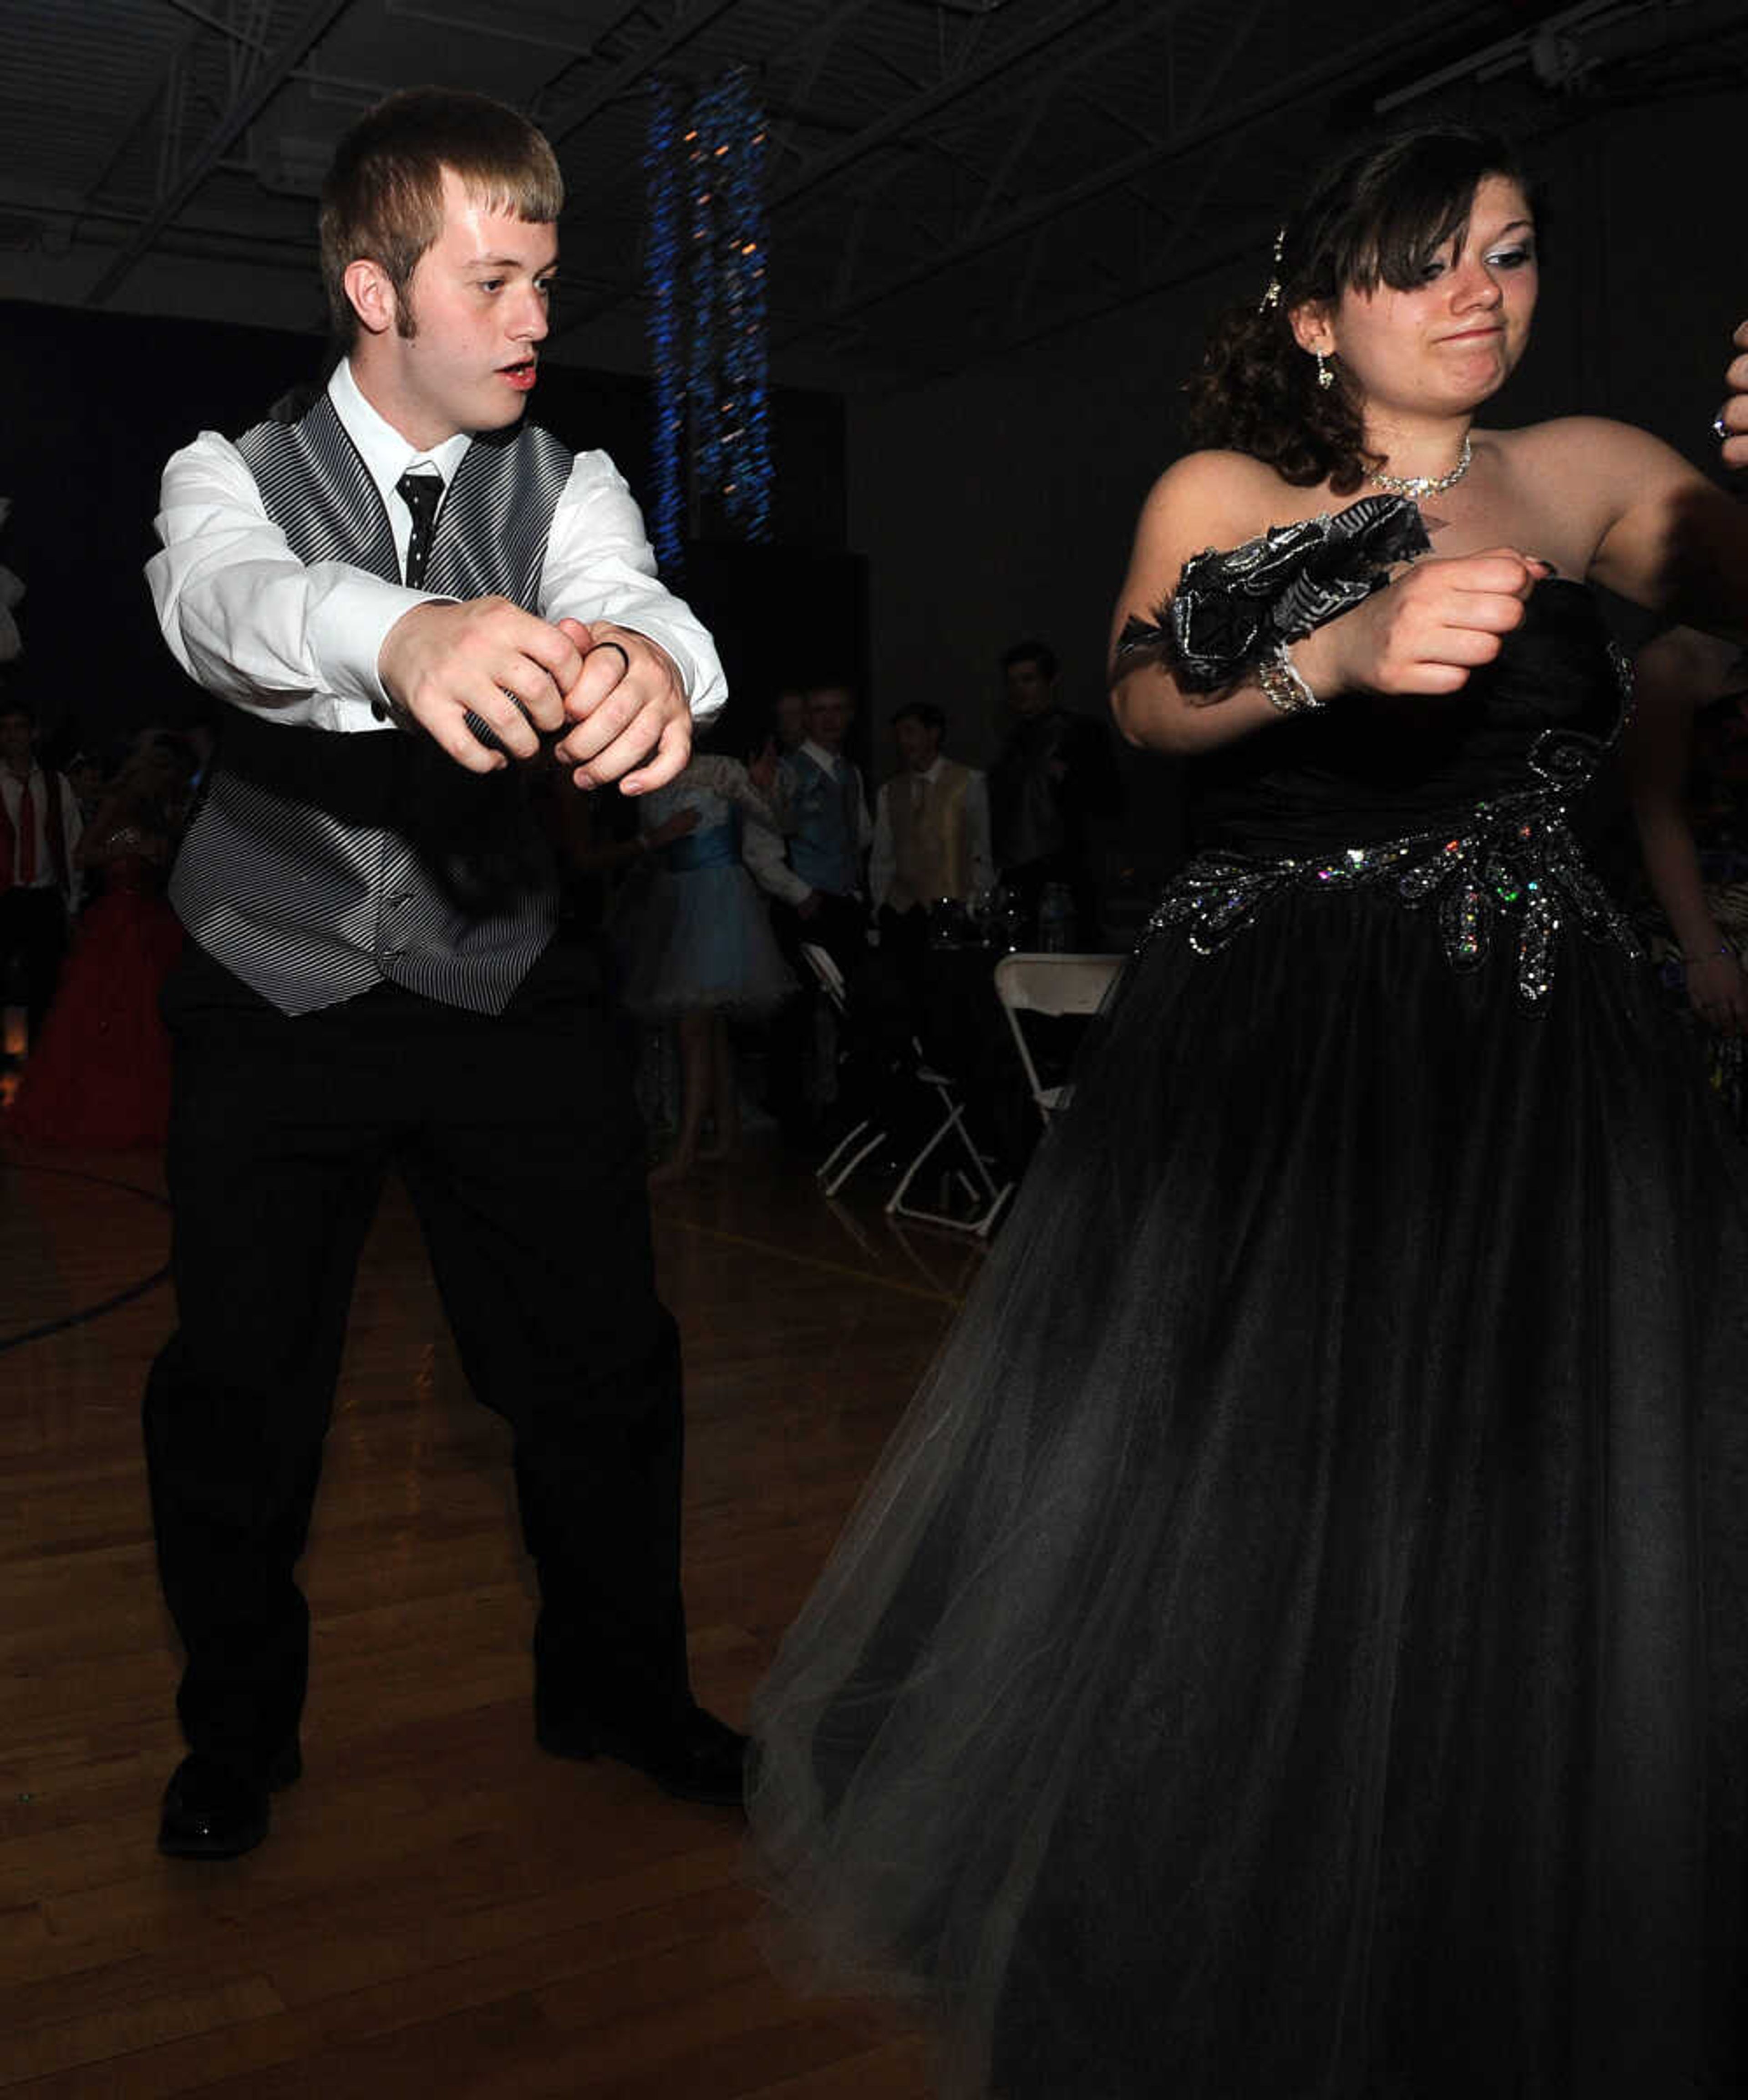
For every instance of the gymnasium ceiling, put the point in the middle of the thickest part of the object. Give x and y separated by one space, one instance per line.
948 179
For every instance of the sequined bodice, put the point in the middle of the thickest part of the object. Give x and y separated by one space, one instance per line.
1457 807
1367 769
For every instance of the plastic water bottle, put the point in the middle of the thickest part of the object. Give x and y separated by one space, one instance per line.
1055 918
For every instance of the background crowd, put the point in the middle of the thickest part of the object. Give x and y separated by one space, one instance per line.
702 900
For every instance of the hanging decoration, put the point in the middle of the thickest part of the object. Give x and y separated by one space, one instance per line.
704 149
661 267
711 379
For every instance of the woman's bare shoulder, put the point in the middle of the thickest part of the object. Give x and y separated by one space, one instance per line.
1218 498
1587 444
1213 477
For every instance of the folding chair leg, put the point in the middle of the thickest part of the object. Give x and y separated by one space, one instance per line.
952 1124
823 1173
895 1202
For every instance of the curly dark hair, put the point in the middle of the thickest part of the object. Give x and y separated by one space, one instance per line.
1379 215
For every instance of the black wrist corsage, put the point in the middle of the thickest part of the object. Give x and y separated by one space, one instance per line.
1231 609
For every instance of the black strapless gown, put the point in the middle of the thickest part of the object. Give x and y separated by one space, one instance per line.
1296 1646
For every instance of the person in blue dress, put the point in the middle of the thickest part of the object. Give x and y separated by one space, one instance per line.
698 945
1296 1646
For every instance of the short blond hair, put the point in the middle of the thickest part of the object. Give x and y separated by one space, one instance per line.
383 197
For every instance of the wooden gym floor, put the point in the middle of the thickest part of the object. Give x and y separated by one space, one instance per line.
441 1910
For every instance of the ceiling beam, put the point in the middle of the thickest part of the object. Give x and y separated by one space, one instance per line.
920 108
1019 145
822 38
227 30
630 73
1074 15
505 29
1425 27
1150 21
160 90
1212 83
315 22
1209 175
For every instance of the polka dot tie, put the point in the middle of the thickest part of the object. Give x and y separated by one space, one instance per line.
422 493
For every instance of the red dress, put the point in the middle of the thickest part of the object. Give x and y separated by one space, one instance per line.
100 1075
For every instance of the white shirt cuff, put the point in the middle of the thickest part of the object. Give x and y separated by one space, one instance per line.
348 625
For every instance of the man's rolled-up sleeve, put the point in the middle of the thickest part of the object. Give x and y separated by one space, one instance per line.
600 566
296 642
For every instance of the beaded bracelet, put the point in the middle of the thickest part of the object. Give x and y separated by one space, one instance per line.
1711 955
1283 683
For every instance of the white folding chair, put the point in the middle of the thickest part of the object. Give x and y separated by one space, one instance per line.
864 1137
970 1170
1051 984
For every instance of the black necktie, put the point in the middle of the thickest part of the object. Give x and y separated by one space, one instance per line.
422 493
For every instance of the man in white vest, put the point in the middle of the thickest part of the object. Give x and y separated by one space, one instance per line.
931 830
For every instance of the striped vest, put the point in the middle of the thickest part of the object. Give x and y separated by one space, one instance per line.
321 863
825 842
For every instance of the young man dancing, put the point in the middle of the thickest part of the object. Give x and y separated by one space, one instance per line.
398 593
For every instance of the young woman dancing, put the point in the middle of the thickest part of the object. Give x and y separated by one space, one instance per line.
1296 1648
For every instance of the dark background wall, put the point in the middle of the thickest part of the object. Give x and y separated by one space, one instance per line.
96 402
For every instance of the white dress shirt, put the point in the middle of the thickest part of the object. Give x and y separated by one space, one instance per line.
42 785
299 642
883 861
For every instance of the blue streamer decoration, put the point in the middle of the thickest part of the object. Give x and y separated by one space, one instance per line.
745 407
712 382
661 270
705 146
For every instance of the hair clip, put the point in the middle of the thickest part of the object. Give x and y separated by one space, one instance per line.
1271 297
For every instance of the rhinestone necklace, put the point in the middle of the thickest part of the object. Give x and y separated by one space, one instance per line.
1426 484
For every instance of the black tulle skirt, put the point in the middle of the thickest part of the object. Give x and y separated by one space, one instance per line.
1296 1648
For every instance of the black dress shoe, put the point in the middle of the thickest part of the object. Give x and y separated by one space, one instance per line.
212 1812
696 1758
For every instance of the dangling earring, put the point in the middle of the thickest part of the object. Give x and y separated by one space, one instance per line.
1325 377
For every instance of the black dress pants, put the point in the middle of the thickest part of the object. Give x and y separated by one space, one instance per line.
33 944
519 1142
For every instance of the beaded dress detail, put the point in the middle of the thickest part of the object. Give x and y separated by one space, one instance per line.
1295 1646
1515 861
